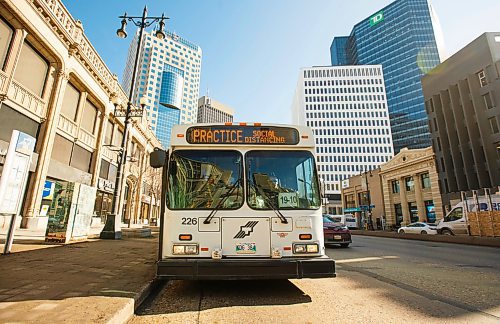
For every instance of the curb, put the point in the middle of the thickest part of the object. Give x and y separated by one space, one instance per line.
457 239
126 313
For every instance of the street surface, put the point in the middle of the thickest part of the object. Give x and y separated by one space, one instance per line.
378 280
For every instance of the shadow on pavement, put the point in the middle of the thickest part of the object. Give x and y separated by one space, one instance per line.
193 296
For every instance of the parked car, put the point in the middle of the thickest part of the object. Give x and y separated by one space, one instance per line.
347 219
335 232
418 228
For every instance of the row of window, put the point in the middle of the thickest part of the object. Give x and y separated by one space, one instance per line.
342 106
344 90
410 183
343 72
344 98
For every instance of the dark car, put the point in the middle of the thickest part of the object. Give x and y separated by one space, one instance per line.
336 233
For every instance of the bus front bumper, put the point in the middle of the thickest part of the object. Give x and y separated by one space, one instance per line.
203 269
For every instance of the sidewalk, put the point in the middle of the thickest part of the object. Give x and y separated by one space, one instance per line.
97 281
458 239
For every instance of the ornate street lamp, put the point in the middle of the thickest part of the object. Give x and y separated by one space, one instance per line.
112 229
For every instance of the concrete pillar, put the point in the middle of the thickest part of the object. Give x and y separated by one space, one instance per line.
404 202
46 142
422 215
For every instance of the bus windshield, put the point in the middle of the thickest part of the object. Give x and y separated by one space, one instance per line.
281 180
205 179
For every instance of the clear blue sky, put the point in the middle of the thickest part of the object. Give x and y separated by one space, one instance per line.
253 49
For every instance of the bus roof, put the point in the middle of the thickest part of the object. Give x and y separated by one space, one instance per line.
242 134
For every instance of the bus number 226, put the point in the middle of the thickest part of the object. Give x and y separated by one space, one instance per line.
189 221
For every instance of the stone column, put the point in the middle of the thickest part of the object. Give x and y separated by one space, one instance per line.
101 132
12 58
404 201
422 215
34 197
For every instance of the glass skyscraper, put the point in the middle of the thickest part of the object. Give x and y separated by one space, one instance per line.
401 38
168 76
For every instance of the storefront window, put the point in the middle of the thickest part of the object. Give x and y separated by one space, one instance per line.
430 211
412 208
399 214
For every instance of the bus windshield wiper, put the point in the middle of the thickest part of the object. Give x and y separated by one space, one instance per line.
222 201
270 203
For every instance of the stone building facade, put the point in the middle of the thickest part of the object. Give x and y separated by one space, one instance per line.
401 191
410 188
55 87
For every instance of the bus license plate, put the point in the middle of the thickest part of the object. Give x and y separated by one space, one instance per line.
246 248
337 237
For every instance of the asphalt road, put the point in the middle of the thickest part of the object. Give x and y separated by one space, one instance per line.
378 280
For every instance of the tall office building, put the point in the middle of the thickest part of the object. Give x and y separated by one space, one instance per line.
404 38
346 108
168 76
462 98
212 111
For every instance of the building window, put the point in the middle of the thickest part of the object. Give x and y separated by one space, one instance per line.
89 117
409 184
426 181
487 101
493 124
70 102
81 158
109 133
395 186
31 70
482 78
5 40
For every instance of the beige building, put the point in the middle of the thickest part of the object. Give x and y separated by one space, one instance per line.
410 188
213 111
401 191
55 87
362 195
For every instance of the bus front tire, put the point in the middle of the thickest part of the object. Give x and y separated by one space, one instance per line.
447 232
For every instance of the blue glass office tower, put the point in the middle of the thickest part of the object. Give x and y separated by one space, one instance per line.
401 38
170 101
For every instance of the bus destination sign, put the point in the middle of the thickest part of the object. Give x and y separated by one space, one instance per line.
242 135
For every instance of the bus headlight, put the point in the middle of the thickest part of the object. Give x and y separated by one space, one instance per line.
181 249
306 248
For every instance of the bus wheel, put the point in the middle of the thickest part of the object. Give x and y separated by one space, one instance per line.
447 232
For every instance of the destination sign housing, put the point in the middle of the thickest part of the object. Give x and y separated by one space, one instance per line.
242 135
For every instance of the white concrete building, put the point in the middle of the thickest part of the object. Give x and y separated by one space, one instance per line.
346 106
213 111
168 75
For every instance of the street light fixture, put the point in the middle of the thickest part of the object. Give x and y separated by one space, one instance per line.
112 229
368 197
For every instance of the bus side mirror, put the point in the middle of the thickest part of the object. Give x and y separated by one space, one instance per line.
158 158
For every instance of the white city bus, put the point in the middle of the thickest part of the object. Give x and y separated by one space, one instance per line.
242 202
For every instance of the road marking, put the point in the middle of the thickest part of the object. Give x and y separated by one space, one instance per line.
366 259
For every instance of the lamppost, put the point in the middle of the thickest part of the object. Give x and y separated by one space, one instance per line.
369 224
112 229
